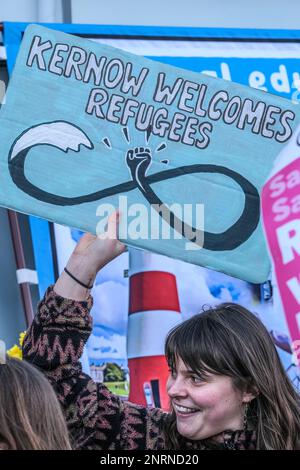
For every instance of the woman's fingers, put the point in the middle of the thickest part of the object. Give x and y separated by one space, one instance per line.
105 246
113 224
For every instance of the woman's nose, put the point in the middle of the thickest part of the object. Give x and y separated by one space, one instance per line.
176 388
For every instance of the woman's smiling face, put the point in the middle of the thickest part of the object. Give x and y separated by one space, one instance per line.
204 407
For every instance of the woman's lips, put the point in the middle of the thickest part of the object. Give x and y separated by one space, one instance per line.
184 410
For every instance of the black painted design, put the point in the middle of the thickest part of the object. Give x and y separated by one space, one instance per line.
138 161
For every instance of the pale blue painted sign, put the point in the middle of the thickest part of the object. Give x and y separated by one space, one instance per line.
87 128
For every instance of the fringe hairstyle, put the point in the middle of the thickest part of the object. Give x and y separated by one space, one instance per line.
229 340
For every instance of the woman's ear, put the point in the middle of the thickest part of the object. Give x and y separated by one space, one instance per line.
250 393
248 397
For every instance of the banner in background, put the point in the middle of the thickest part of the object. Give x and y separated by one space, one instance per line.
281 209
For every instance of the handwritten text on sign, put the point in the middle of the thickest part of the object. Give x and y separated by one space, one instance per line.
186 95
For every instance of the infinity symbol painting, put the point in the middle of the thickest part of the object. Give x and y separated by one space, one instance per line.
138 161
84 124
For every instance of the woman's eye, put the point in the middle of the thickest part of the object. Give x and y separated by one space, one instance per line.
172 372
196 379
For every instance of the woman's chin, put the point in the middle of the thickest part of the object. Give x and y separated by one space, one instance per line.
189 432
197 432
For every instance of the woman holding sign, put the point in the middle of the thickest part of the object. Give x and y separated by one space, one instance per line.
227 387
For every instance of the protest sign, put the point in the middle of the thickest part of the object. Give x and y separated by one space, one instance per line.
281 219
87 128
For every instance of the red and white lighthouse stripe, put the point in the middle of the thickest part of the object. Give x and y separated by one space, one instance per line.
153 311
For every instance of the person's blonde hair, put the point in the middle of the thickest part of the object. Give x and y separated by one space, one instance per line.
30 415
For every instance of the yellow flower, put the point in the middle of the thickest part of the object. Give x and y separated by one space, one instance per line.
15 352
21 338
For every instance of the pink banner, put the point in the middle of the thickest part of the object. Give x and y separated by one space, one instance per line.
281 217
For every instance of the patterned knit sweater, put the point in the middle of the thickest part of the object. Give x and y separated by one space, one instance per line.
96 418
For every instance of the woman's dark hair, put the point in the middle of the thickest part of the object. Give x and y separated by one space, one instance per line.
229 340
30 414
